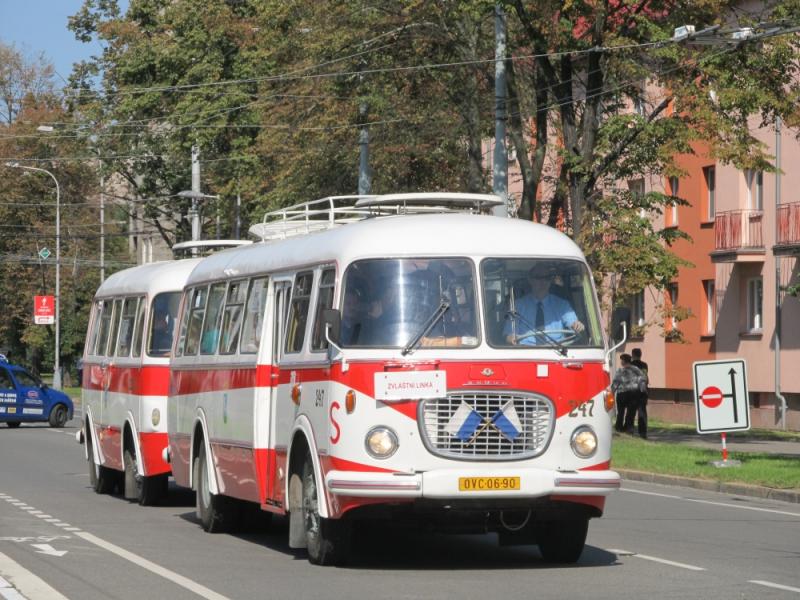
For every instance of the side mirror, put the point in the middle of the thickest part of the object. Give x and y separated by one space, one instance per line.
621 314
332 321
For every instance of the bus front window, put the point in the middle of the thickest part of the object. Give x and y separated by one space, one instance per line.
387 303
539 302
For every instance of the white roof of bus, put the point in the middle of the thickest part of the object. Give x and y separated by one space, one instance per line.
152 278
414 235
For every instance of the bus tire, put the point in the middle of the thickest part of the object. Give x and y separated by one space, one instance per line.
328 541
147 491
13 424
216 512
58 416
563 541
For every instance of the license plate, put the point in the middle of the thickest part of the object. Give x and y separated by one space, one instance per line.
487 484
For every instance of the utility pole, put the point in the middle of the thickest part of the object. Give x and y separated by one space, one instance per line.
102 230
194 214
778 395
500 162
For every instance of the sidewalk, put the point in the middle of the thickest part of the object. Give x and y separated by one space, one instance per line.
742 444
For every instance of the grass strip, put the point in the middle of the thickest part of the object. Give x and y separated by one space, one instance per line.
774 471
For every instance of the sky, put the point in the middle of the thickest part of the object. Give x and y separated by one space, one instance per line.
36 26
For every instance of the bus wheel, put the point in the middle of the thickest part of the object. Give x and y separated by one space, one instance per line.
58 416
147 491
563 541
327 540
216 513
13 424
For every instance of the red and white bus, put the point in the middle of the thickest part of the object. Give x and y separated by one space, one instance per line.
126 378
359 366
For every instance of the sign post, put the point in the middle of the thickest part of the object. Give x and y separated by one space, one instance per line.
44 312
721 400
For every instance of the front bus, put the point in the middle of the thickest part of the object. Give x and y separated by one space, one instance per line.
471 392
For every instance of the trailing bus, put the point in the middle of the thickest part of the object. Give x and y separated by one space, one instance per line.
126 376
381 358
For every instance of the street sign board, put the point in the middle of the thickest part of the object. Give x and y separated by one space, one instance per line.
44 312
720 396
44 253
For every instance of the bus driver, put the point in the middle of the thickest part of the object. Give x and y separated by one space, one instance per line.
541 311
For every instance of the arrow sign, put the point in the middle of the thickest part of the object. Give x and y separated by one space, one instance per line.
721 398
48 550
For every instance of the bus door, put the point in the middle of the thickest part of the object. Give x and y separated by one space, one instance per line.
281 414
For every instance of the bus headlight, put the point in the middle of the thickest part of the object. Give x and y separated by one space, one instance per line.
583 441
381 442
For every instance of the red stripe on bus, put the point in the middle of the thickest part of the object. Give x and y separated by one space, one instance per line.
193 381
151 380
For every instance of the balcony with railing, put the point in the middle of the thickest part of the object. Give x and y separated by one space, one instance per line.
738 236
788 241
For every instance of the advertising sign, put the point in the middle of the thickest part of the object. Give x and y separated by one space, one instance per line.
44 310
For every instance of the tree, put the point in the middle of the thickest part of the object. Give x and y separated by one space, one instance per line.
27 214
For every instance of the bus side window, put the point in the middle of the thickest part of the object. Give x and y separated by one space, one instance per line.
91 337
324 300
232 317
105 308
210 337
114 332
254 315
127 322
197 312
298 312
163 313
186 304
138 329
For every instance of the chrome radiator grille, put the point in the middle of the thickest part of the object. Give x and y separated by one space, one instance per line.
481 437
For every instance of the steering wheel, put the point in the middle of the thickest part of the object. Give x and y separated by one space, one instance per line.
569 336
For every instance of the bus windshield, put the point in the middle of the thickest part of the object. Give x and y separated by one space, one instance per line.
408 303
539 302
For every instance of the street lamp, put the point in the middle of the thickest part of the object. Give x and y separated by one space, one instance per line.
57 365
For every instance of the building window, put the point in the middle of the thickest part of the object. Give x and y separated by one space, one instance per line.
754 181
710 315
672 209
672 291
710 176
755 299
637 310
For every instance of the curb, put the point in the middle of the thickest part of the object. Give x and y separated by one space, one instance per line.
738 489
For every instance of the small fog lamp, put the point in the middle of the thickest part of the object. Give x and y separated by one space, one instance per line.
381 442
584 441
155 418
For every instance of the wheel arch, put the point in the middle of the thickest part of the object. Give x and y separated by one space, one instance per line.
90 431
302 442
130 437
200 436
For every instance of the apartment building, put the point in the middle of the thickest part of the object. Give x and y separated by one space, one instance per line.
745 236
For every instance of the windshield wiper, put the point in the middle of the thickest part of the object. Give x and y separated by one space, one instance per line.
426 327
553 343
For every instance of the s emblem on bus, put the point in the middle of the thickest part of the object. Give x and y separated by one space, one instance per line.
487 372
334 425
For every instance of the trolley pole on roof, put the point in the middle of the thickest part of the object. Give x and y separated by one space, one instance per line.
194 214
500 162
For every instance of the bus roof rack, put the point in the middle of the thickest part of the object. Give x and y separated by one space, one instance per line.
335 211
207 245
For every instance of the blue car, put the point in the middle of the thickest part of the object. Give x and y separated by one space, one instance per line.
24 398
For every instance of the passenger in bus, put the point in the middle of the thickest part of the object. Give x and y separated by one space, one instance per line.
354 314
161 339
540 311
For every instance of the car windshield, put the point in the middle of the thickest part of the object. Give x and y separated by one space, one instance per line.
26 379
539 302
409 303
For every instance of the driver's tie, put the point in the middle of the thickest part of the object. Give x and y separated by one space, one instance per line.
539 316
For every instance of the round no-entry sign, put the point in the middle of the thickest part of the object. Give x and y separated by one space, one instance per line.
711 396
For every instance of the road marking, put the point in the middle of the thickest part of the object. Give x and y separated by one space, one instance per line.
777 586
48 550
44 516
767 510
175 578
28 585
663 561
